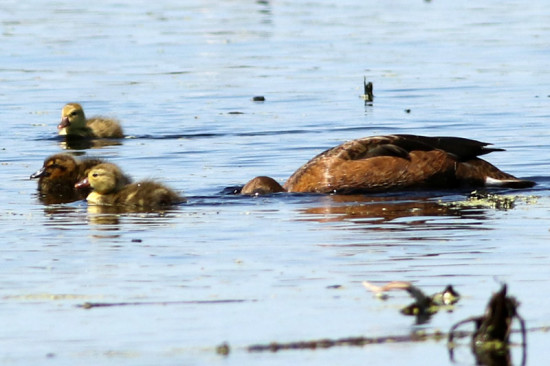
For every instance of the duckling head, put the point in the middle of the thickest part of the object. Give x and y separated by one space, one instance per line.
59 166
104 179
72 119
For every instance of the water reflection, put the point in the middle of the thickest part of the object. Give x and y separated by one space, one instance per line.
64 217
109 217
77 143
104 218
376 210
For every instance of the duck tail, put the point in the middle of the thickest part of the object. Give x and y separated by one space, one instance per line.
478 172
509 183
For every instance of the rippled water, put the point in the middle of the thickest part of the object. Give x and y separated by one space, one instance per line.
244 270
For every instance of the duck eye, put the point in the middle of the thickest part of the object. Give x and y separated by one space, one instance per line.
73 113
95 175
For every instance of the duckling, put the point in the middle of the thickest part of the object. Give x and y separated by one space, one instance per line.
59 174
109 188
396 162
74 123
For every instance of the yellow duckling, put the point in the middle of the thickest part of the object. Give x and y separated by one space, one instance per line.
109 188
58 175
74 123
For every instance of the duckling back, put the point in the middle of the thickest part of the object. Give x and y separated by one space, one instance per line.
147 194
109 188
102 127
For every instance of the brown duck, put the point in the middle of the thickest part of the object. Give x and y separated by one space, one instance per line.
394 162
74 123
109 188
58 175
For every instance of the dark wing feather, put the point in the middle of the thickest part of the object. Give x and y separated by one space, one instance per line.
462 148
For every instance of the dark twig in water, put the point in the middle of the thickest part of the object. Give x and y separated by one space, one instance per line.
419 336
491 337
349 341
367 96
424 306
90 305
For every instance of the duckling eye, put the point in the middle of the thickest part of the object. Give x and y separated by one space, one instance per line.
73 113
95 175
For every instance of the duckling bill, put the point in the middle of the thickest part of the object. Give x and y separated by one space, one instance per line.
75 124
394 162
109 188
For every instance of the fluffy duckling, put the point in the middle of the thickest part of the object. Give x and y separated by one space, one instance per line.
74 123
395 162
109 188
58 175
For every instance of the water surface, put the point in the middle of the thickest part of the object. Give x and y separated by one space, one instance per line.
283 268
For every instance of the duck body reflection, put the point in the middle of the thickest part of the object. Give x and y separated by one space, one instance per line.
394 162
110 189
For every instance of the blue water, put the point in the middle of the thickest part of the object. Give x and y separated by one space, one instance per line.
175 74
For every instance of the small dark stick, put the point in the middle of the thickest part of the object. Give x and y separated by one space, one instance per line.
368 96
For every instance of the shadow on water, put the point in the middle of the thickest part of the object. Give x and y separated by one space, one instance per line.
78 143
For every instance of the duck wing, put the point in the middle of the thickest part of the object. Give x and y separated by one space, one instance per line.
461 148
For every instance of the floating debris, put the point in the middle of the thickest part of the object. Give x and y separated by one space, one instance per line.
90 305
418 336
491 338
424 306
367 96
481 198
223 349
258 98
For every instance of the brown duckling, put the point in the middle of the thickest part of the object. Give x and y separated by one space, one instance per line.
395 162
58 176
74 123
109 188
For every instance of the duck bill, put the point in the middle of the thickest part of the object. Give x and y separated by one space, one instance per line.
84 183
39 173
64 123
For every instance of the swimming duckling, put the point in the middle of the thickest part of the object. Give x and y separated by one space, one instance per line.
396 162
74 123
109 188
58 175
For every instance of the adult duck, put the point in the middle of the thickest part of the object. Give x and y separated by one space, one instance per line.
75 124
109 188
58 175
394 162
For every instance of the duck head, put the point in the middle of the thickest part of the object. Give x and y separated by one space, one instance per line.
59 166
72 119
262 185
104 179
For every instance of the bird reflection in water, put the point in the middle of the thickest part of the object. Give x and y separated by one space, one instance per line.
109 217
386 209
80 143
